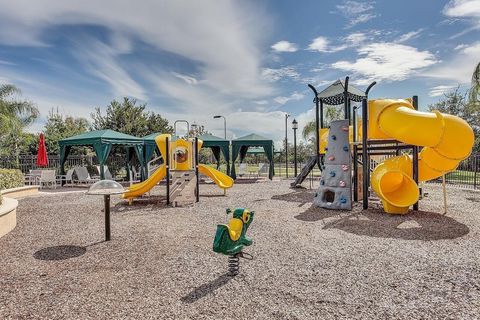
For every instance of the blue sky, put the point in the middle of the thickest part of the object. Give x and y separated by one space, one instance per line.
247 60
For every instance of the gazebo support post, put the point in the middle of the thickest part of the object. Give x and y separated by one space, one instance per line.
197 190
167 166
318 122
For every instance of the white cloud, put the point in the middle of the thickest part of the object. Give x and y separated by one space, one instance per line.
460 67
355 39
462 8
293 97
273 75
261 102
440 90
409 36
322 44
284 46
188 79
468 10
387 61
356 12
100 60
161 25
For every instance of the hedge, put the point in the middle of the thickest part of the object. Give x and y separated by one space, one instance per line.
11 178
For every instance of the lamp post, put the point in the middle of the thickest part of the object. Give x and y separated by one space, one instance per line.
224 125
295 127
286 144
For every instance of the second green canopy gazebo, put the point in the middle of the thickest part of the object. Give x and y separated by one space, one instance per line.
217 145
102 142
240 147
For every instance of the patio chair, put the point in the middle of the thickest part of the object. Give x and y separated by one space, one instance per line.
106 172
67 178
32 177
263 169
48 178
242 169
134 175
83 177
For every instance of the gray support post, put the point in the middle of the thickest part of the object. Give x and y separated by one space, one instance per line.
365 157
415 155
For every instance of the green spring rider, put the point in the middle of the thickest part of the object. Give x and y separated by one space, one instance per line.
230 239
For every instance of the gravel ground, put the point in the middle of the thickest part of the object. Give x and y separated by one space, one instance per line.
308 263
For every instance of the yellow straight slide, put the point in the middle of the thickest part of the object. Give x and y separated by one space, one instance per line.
446 139
221 180
138 189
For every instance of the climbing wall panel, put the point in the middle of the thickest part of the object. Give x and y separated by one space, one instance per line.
335 191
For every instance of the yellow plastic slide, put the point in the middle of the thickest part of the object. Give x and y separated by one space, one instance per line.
221 180
446 139
138 189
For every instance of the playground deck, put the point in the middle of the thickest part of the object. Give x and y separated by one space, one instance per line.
308 263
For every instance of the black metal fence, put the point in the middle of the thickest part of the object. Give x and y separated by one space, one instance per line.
467 174
29 162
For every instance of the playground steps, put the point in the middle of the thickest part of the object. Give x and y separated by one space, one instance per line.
182 190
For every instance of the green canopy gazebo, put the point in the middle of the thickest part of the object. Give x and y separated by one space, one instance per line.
102 142
241 145
217 145
150 146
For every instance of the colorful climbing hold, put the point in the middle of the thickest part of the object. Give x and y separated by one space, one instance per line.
342 184
345 148
334 137
331 158
344 167
345 129
332 174
322 182
343 200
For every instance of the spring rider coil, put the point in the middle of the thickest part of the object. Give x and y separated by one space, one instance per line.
230 239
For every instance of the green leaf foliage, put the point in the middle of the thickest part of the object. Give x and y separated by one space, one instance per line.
11 178
129 117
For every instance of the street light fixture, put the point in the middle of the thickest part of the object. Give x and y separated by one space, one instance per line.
295 127
224 125
286 144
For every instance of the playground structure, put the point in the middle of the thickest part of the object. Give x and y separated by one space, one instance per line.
181 170
388 126
230 239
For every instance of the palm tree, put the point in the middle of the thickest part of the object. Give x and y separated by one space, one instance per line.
474 95
15 116
331 113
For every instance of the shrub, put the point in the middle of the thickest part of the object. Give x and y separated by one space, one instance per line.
11 178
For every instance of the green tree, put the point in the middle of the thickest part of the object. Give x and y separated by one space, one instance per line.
131 118
456 103
59 127
15 116
332 113
474 94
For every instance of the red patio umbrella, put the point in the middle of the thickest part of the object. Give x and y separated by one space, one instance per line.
42 159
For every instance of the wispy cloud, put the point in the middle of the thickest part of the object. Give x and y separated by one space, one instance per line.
440 90
294 96
387 61
460 67
188 79
284 46
409 36
100 60
468 10
356 12
273 75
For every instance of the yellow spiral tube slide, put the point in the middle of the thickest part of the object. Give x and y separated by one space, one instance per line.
446 139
